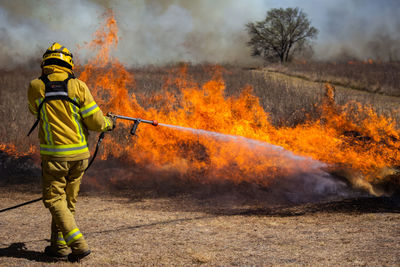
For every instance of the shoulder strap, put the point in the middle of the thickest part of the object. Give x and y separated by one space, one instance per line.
54 90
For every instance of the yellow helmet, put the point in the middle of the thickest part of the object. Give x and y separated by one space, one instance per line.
59 55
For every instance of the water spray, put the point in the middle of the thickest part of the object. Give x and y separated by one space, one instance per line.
272 149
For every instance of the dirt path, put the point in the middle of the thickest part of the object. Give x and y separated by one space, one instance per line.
184 231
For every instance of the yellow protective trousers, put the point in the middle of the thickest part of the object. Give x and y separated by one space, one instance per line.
61 182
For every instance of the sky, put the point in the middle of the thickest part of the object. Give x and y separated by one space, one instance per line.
167 31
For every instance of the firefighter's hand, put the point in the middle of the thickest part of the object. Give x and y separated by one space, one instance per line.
113 118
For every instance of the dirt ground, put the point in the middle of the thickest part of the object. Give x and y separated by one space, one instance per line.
127 229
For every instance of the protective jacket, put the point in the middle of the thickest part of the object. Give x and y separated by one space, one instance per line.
63 127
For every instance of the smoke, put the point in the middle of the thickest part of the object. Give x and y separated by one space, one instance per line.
159 32
294 179
361 30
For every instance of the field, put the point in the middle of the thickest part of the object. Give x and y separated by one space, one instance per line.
218 230
374 77
134 215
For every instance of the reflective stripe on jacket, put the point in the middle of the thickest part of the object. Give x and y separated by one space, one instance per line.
63 128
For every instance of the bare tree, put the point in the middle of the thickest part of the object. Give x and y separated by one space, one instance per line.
284 31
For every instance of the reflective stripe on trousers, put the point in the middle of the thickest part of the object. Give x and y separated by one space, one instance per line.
60 239
72 236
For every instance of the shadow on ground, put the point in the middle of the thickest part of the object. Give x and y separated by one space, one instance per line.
19 250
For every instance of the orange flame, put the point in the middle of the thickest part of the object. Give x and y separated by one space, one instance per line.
349 137
12 150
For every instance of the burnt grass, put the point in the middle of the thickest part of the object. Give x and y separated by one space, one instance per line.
19 170
144 217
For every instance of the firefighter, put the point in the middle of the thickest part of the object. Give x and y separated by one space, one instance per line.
66 111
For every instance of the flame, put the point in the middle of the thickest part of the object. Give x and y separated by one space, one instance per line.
15 153
365 62
12 150
351 137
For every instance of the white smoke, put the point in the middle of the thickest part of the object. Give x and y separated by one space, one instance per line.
163 31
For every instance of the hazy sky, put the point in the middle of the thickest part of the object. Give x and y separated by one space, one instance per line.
162 31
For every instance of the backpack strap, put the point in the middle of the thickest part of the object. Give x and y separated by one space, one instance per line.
54 90
57 90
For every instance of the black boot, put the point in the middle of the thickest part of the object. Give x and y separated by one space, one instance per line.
77 257
51 253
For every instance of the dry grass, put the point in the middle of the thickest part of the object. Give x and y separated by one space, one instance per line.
183 231
288 100
14 111
377 77
299 98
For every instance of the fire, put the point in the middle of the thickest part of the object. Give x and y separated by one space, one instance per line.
11 150
11 154
253 151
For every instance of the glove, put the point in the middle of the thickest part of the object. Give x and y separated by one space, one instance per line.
113 119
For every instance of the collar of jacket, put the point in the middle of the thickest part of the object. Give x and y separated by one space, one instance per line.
55 69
